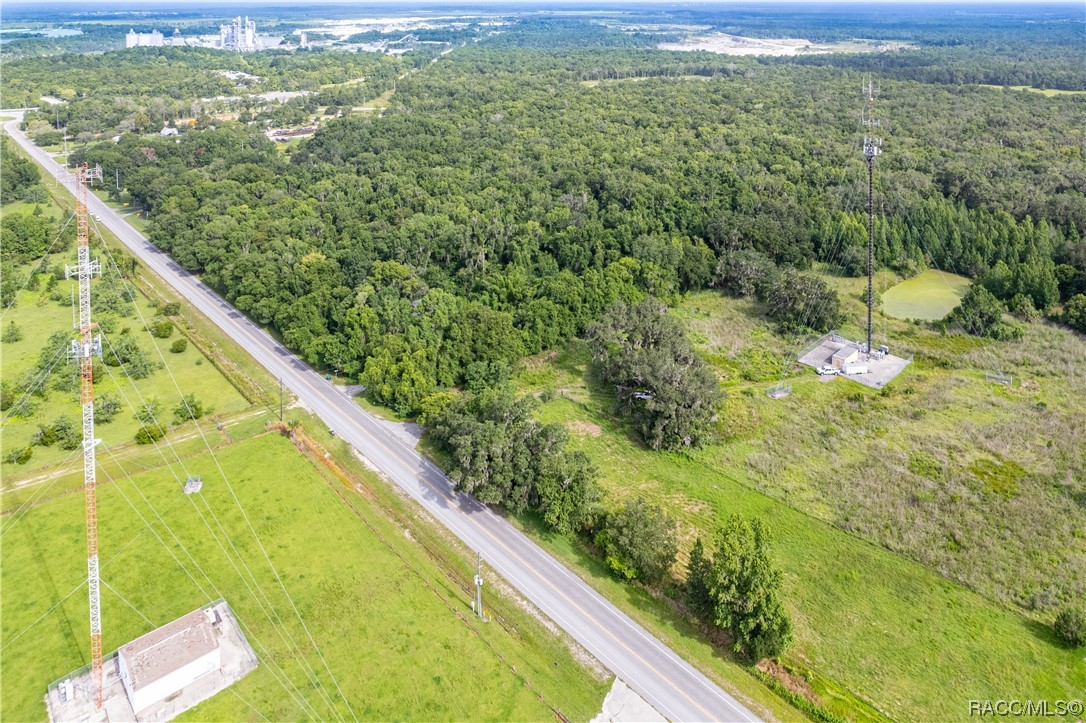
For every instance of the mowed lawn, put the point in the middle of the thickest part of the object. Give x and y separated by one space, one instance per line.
395 631
38 318
928 296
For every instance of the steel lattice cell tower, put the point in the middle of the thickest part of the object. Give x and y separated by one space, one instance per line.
84 348
871 148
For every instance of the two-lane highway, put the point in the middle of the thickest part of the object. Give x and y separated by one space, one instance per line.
660 676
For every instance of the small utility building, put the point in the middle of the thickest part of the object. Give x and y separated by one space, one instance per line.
165 660
845 355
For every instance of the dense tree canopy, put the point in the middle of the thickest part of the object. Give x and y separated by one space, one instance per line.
660 380
638 541
981 314
501 455
144 89
510 195
17 174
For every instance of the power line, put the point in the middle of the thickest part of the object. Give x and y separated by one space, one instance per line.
37 494
267 658
241 508
293 647
35 271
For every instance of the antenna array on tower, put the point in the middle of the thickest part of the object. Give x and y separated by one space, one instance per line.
872 147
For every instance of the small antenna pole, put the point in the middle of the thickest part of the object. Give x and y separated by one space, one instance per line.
479 586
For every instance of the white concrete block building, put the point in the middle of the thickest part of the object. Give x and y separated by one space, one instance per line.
166 660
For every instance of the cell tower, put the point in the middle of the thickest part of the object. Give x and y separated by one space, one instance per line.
84 348
871 148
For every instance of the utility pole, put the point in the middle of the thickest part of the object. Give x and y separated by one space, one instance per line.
280 399
85 348
479 586
871 148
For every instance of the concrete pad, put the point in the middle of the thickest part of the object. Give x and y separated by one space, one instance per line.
622 705
882 369
72 697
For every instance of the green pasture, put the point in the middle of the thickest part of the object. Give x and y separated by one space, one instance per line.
928 296
394 628
886 629
834 468
39 318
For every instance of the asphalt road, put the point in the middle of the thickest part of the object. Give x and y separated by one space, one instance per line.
670 684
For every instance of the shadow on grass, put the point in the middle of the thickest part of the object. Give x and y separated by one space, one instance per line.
1045 633
576 359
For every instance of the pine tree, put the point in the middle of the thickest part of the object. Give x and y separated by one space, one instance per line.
745 589
699 572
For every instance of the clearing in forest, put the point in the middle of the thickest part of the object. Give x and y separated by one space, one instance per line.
928 296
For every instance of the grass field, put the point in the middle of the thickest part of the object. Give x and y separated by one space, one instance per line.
385 596
395 628
928 296
870 622
38 316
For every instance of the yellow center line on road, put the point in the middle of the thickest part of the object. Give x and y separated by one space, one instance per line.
408 462
319 391
445 495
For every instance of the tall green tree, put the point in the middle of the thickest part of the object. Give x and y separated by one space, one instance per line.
639 542
660 380
745 588
981 314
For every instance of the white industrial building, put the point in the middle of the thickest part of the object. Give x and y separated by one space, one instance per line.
160 675
239 36
166 660
153 39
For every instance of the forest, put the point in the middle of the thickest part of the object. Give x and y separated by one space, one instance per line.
505 202
564 181
144 89
1031 45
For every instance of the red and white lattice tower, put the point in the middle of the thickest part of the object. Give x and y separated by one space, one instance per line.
84 348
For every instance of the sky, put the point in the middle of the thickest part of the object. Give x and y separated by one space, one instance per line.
364 4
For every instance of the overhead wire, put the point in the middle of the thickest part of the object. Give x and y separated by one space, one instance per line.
155 626
296 650
35 272
237 501
267 657
43 487
40 378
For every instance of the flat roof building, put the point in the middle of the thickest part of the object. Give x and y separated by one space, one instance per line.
152 39
165 660
160 675
844 355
